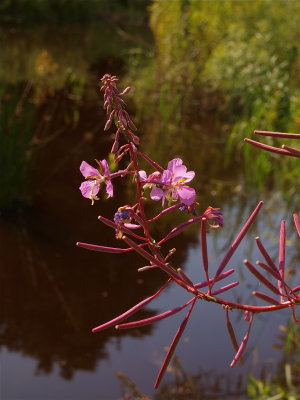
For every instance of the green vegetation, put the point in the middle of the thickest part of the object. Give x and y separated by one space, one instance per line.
225 59
27 12
217 70
48 78
285 383
16 123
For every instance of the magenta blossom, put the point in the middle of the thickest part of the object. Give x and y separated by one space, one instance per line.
172 183
91 186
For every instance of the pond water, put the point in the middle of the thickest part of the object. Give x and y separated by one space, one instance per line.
54 293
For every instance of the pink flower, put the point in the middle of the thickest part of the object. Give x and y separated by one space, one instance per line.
173 181
91 186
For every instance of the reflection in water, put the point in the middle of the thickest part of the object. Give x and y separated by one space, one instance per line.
202 385
54 294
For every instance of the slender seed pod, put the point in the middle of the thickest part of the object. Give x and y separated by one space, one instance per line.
204 250
173 346
131 311
156 318
231 333
238 239
265 297
243 344
261 278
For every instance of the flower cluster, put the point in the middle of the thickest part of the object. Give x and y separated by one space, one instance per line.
171 186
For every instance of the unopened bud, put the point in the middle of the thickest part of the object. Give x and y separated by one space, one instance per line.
108 124
135 139
125 91
247 316
131 124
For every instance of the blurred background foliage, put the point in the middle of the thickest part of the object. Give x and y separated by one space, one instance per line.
26 12
232 61
205 75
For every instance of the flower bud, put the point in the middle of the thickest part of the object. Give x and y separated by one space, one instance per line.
125 91
108 124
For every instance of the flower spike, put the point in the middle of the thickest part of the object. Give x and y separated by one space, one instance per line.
171 186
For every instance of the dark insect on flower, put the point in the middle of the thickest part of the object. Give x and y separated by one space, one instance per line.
122 216
190 208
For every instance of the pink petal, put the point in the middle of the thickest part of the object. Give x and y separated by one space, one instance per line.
179 171
176 162
164 198
106 168
156 193
189 176
187 195
89 189
87 170
143 175
166 176
109 188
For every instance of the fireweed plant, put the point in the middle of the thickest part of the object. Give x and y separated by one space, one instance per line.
132 226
